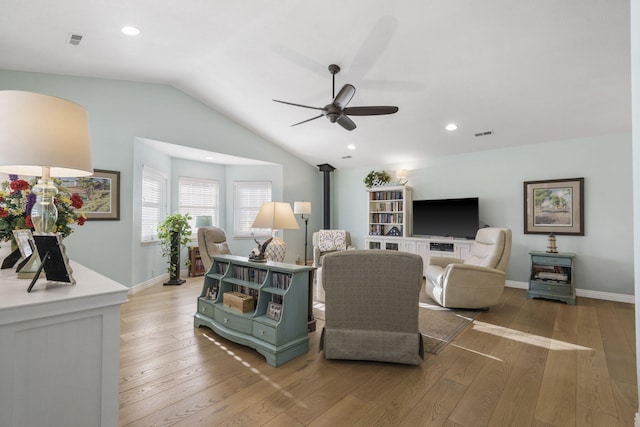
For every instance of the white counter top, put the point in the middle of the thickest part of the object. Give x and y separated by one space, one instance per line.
50 299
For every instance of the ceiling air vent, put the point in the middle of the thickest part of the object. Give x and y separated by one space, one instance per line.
74 39
485 133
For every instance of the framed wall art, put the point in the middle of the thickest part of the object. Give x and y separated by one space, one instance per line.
554 206
100 194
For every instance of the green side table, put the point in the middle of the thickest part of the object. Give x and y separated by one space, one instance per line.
552 276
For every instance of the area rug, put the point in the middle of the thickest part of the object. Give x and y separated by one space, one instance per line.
438 325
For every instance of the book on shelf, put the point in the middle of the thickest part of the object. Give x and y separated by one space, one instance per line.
280 280
547 275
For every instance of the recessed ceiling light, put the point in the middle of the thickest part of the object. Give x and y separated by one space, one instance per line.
451 126
351 147
130 31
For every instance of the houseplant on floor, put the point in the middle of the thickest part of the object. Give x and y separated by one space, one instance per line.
174 232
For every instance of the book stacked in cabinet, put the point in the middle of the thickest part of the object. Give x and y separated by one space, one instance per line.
389 211
275 323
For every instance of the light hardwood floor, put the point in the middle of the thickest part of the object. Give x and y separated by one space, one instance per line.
522 363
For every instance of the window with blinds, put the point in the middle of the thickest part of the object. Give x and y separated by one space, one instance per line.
154 202
248 197
198 197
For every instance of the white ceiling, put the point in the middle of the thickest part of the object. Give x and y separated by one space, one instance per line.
531 71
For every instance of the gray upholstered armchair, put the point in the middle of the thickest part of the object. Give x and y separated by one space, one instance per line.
371 308
476 282
326 242
212 241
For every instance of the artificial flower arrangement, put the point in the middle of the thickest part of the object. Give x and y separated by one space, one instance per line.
376 179
17 199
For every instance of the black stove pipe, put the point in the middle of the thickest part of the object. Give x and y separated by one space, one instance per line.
326 170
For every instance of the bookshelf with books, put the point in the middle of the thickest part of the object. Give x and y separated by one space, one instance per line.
552 276
196 266
389 212
274 322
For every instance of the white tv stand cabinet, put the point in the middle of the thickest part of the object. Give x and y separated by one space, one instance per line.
426 247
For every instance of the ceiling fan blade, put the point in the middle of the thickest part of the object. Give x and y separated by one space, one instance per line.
308 120
370 111
346 122
344 96
298 105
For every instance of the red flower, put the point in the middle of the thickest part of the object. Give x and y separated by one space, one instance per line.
76 201
19 185
81 220
4 213
27 222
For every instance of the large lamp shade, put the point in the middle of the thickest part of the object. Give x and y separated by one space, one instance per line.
39 131
276 216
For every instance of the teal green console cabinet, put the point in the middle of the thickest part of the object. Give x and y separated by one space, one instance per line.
273 321
552 276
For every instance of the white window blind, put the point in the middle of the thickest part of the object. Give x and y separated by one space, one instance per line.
248 197
154 206
198 197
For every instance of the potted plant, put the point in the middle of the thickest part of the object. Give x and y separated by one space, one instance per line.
376 179
173 233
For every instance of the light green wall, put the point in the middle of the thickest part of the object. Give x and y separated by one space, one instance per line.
121 111
604 253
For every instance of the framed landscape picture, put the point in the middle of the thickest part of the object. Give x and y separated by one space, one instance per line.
554 206
100 194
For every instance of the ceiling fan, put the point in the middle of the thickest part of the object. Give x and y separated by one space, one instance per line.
337 111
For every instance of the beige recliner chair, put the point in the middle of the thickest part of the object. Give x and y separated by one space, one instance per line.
476 282
371 309
212 241
326 242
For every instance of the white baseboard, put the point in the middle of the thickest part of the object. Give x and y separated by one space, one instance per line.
607 296
148 283
517 285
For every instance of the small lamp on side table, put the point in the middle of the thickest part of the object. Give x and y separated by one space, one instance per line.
303 208
203 221
276 216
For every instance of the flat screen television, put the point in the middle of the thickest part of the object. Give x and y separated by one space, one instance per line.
446 218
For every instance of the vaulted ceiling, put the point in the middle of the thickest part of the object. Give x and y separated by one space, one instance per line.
530 71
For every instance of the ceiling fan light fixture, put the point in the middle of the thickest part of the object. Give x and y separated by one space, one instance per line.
351 147
337 111
451 127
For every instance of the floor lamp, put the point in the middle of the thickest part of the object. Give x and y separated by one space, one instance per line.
303 208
